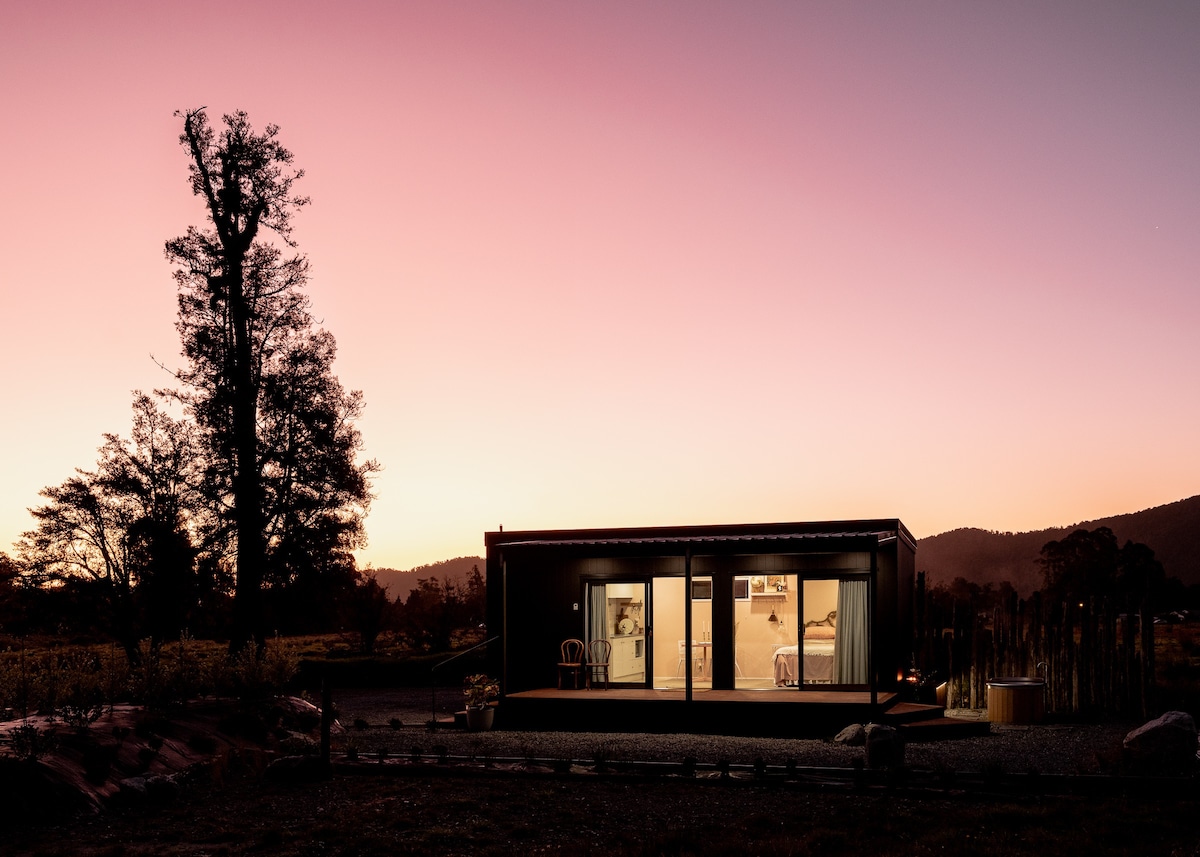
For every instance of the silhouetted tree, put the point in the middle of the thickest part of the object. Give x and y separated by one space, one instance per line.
369 611
1090 564
124 529
12 607
157 471
1081 565
474 599
1140 577
278 426
431 614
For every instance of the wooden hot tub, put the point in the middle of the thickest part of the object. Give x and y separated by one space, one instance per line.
1016 700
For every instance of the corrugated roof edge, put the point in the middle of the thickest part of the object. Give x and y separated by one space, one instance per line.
883 530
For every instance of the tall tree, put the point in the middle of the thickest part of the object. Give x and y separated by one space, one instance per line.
279 428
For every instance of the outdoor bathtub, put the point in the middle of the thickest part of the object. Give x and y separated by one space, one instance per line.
1019 699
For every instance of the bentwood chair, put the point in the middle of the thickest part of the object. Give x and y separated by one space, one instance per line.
599 653
571 662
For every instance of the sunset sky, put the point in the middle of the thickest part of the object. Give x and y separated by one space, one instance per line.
630 263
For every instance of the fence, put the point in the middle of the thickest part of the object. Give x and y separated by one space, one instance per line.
1095 660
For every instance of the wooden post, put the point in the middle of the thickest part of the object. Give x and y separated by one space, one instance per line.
1147 662
326 718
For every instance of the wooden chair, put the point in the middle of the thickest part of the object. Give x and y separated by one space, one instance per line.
599 653
571 661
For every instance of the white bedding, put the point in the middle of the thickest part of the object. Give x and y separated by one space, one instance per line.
818 662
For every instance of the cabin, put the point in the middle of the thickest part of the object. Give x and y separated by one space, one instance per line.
762 629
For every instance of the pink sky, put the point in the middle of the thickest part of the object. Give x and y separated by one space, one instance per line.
623 264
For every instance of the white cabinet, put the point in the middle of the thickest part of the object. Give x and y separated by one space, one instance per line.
628 658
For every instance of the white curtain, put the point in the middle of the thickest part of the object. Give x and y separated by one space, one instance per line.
850 640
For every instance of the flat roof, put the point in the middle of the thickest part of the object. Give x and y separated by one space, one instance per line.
808 534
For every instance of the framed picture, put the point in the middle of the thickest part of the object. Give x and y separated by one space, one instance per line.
741 589
702 589
758 585
776 583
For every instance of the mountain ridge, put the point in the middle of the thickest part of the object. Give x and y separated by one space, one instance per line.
987 556
975 554
400 583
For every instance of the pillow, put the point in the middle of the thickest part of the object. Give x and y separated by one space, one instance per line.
819 632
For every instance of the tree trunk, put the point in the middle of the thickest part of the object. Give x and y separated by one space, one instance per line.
247 486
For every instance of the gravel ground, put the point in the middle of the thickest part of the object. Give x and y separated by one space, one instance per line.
1047 749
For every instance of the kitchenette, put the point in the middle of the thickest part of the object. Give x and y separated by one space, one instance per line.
625 604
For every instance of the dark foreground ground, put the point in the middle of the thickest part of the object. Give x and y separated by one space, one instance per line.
525 814
502 794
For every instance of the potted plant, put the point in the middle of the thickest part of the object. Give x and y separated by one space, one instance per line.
478 689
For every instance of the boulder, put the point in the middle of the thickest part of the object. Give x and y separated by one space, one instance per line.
1165 745
885 747
853 735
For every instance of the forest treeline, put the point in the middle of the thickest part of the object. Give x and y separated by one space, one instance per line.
1083 565
433 616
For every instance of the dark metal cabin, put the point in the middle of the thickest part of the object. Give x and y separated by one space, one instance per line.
779 629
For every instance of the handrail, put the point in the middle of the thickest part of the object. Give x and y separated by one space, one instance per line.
433 685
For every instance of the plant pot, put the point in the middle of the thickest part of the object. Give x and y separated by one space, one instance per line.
480 719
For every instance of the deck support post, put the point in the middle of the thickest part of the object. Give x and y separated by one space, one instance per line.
687 620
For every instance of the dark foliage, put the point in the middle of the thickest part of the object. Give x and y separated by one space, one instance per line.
437 608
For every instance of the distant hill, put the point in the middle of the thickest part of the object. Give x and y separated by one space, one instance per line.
400 583
982 556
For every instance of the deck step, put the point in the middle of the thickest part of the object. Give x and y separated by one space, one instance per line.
944 729
910 712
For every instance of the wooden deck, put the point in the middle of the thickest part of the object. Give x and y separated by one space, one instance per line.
776 712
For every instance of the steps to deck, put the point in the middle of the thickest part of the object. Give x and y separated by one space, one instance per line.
918 722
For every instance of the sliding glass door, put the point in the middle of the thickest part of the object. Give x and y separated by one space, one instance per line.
795 631
617 612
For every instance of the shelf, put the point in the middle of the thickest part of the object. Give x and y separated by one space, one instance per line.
777 596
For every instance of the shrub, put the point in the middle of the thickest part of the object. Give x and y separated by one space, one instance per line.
82 694
29 742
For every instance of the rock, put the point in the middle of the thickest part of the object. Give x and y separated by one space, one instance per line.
158 788
853 735
162 788
1165 745
133 786
297 769
885 747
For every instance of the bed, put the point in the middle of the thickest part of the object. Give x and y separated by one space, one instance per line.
818 658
